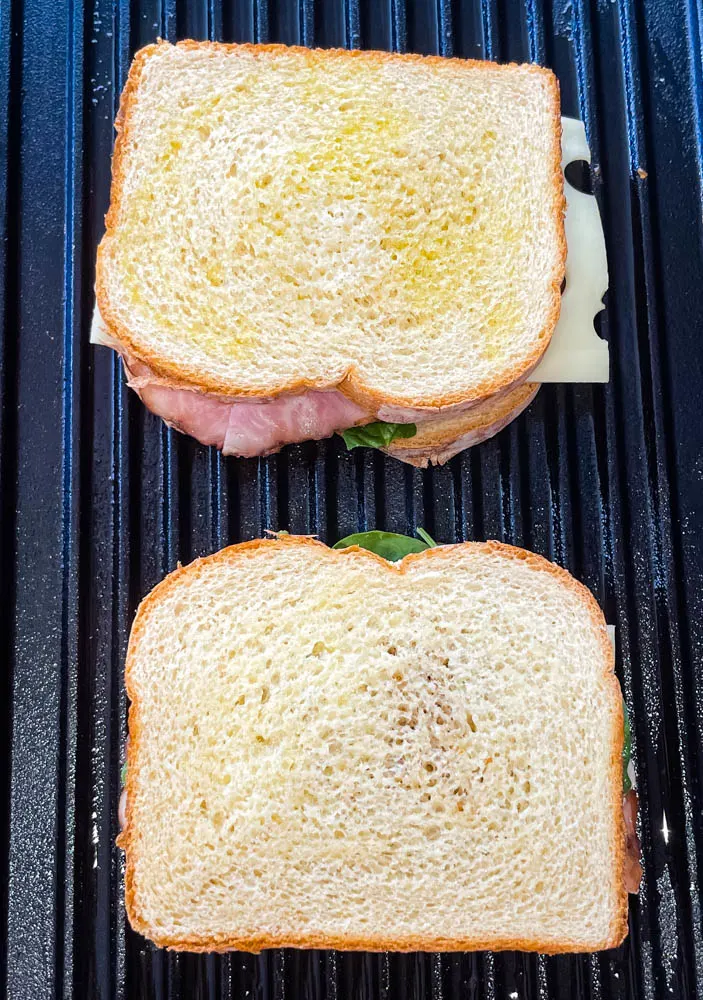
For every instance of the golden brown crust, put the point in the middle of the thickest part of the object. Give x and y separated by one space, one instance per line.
440 439
128 839
259 942
193 377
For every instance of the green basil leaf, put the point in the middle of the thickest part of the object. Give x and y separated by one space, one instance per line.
384 543
123 774
426 537
377 435
626 752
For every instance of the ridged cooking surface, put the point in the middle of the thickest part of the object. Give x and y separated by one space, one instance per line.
98 501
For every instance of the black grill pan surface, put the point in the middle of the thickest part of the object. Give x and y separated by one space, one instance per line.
98 501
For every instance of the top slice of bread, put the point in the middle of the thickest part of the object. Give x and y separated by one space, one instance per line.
284 218
329 750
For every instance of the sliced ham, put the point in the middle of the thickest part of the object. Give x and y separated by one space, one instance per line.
122 810
256 429
633 868
251 427
246 427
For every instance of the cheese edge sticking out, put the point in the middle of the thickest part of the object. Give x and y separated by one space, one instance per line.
99 333
576 353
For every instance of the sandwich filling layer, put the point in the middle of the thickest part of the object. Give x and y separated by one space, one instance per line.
253 427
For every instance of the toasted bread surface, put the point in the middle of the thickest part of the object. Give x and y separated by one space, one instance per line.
329 750
284 218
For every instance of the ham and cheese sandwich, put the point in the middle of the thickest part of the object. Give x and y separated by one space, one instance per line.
301 242
332 750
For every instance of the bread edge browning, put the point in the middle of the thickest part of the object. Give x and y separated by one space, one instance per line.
193 377
128 839
431 447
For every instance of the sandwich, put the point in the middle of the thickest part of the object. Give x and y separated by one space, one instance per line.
386 745
306 242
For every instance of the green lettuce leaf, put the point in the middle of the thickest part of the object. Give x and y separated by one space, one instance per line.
123 774
377 435
387 544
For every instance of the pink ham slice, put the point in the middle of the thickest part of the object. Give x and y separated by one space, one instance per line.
122 810
242 427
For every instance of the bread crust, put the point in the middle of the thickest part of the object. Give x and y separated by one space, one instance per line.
439 440
351 384
255 942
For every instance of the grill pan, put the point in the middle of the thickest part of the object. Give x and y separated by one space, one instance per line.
98 500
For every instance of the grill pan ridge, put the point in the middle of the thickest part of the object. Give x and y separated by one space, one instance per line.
99 500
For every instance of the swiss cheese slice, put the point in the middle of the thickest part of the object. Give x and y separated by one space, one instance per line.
576 352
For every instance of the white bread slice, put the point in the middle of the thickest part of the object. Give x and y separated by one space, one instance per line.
441 438
330 750
284 219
